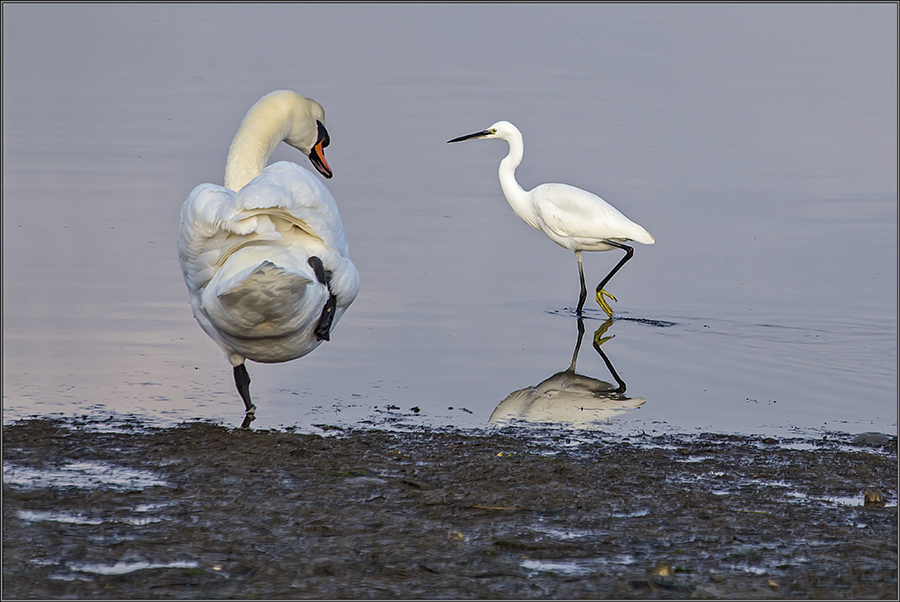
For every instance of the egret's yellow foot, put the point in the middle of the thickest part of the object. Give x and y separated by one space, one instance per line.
599 339
603 303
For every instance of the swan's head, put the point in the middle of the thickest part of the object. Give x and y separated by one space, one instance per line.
503 130
308 133
279 116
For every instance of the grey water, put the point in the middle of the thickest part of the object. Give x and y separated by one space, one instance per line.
756 142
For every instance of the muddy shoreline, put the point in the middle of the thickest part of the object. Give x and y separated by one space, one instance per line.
204 511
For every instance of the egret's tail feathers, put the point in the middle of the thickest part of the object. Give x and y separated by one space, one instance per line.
643 237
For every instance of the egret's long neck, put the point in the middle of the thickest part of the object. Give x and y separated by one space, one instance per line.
259 134
515 195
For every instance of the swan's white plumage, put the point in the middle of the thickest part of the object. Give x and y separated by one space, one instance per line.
245 254
282 217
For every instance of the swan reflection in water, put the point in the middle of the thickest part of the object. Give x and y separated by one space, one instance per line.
568 397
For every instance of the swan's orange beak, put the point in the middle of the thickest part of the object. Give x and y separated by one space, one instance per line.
317 154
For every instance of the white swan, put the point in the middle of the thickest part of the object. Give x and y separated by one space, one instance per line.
265 257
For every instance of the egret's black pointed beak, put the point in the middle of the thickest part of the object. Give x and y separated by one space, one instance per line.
480 134
317 154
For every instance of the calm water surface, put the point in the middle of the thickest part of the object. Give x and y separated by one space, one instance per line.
757 143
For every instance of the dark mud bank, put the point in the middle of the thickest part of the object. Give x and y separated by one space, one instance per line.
202 511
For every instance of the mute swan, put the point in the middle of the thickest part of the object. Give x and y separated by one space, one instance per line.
265 258
574 219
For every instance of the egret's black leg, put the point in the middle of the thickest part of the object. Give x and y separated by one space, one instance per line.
323 328
628 253
577 345
583 296
599 341
242 382
600 292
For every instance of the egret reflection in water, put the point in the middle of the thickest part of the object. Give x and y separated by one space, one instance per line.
567 397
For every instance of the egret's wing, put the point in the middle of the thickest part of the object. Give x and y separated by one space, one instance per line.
570 212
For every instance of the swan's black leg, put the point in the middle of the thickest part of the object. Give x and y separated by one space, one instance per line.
323 328
248 418
242 382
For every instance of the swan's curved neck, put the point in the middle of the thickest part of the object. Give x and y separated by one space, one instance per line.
253 144
515 195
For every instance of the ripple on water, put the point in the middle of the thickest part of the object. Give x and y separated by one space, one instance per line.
593 314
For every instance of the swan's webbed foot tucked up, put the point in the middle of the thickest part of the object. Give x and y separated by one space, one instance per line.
603 302
242 382
323 328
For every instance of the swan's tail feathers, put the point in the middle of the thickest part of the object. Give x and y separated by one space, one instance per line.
266 279
252 298
267 311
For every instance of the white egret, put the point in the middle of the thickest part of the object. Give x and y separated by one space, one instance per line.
265 257
573 218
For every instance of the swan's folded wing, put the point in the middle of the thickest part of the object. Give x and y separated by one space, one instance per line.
212 227
200 221
296 191
216 222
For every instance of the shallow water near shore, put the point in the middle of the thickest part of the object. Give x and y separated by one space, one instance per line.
766 172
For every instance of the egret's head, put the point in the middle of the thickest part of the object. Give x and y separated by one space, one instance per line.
502 129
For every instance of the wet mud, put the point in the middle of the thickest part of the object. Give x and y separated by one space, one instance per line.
104 511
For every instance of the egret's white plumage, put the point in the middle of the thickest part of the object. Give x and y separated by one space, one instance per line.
265 257
573 218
